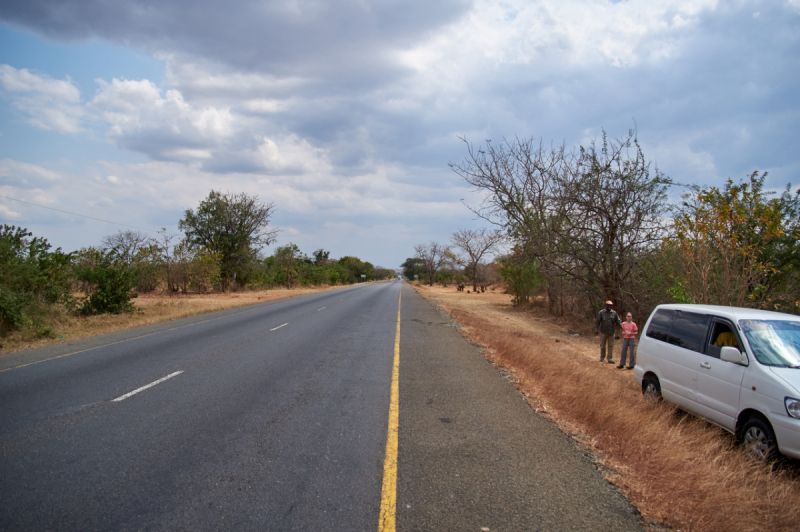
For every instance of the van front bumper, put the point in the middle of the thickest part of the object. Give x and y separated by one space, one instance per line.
787 434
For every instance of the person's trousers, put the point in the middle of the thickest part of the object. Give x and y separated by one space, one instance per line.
606 339
628 343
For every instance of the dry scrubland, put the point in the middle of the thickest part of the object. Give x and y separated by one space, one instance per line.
152 308
680 472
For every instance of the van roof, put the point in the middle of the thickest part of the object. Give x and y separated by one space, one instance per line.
733 313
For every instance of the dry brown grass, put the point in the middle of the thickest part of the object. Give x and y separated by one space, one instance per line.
153 308
679 471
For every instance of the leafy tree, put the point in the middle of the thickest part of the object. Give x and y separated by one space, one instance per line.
444 277
233 226
32 278
737 245
522 276
382 273
413 266
287 258
355 268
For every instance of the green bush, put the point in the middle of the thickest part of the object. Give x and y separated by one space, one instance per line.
32 278
112 283
523 278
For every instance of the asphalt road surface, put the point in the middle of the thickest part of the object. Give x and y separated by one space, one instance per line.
275 417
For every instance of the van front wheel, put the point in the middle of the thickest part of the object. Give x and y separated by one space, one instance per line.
651 388
758 439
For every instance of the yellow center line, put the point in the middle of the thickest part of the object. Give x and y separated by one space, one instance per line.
389 490
123 341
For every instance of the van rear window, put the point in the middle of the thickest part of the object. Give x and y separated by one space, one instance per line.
684 329
661 324
689 331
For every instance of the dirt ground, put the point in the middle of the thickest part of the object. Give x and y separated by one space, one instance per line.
496 306
151 308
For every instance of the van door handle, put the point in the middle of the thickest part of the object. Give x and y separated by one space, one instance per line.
705 365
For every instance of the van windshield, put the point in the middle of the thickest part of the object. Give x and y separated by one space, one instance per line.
774 343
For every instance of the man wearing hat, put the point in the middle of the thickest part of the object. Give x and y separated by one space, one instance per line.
605 323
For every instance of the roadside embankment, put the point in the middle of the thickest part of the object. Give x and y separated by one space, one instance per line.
680 472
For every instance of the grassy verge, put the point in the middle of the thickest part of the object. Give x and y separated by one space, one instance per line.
680 472
151 308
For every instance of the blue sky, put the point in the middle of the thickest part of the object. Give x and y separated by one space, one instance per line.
346 114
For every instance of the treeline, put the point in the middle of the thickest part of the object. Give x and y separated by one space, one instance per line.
596 223
221 251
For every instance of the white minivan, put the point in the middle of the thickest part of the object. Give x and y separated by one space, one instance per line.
738 368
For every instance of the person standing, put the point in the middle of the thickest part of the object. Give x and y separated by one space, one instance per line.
604 325
629 330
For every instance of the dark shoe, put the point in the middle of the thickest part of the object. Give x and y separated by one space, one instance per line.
628 368
620 367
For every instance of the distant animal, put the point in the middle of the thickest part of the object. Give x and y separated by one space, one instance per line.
460 287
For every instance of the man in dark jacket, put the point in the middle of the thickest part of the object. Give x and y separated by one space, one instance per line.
605 324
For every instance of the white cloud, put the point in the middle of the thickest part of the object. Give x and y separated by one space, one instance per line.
7 213
265 106
24 81
50 104
165 127
134 106
294 154
25 175
562 33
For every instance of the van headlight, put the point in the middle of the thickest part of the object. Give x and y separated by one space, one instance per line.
792 407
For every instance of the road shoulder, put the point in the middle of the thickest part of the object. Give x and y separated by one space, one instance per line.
475 456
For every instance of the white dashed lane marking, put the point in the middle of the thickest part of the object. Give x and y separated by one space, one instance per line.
143 388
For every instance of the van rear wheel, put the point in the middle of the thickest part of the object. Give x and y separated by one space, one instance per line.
651 388
758 439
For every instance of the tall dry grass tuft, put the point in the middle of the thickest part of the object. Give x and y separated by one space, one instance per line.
676 469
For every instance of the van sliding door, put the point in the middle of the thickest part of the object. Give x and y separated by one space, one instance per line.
718 382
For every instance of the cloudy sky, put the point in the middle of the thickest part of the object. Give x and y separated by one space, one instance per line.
345 114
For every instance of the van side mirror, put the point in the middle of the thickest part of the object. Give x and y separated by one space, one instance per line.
731 354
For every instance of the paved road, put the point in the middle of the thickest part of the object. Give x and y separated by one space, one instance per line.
274 417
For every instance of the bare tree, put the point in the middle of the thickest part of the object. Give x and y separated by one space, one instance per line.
475 244
434 256
586 215
127 243
488 274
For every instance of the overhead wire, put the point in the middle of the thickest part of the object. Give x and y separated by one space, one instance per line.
76 214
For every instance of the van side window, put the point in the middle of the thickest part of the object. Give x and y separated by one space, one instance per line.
661 324
721 335
689 331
